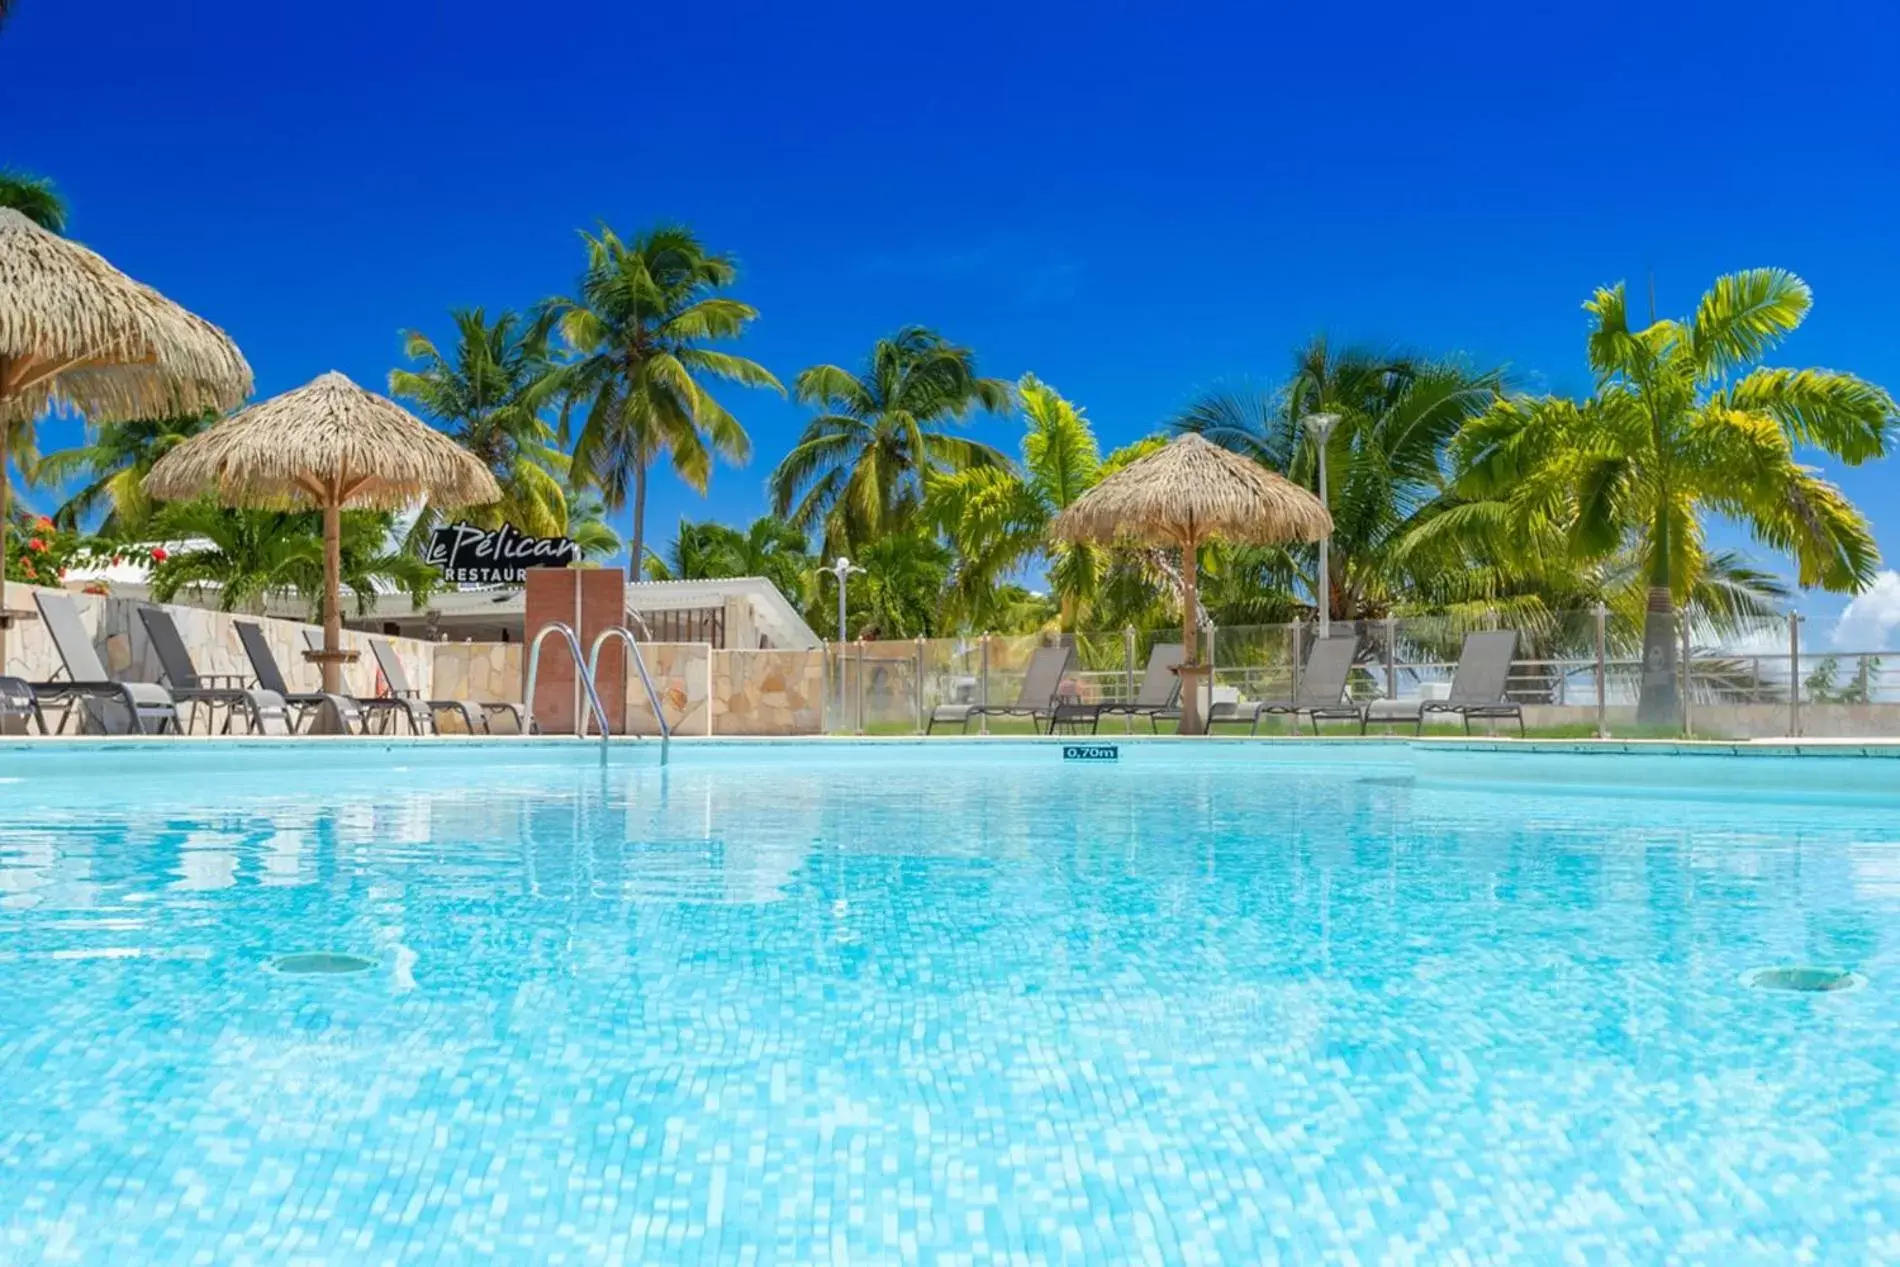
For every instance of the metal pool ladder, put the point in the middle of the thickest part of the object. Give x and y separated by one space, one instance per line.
585 672
639 662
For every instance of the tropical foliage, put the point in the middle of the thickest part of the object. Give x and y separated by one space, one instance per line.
39 551
900 594
110 468
32 196
237 560
493 392
859 469
1684 423
641 325
1452 493
1386 469
708 550
997 516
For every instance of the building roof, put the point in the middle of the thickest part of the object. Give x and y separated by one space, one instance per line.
772 612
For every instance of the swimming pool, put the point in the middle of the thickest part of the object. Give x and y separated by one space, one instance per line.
880 1003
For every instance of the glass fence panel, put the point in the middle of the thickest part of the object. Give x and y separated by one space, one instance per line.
1573 674
889 677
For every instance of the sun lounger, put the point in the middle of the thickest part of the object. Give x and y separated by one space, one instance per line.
413 710
1042 683
88 691
481 721
1157 698
265 710
1477 687
307 703
19 704
1321 695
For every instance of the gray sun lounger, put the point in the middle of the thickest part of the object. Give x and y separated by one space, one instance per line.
1042 683
265 710
1158 698
1321 695
412 709
398 679
117 708
271 678
1478 687
19 703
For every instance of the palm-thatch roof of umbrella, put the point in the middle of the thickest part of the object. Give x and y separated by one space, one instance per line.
77 334
331 445
1186 494
1194 490
328 442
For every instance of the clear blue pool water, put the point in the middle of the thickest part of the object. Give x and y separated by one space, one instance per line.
1239 1004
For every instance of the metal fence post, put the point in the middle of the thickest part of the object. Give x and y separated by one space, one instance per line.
1293 649
920 684
1688 720
860 726
1391 657
1794 675
1128 676
824 685
983 687
1207 705
1603 725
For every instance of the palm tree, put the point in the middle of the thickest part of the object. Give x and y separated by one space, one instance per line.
639 325
1385 458
1684 422
250 556
901 592
859 468
114 462
587 525
708 550
33 196
997 517
492 393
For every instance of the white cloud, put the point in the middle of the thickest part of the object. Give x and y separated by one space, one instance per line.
1871 621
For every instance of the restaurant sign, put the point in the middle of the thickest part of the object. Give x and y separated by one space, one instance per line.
469 555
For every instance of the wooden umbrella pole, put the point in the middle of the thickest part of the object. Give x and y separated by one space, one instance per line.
332 595
1190 640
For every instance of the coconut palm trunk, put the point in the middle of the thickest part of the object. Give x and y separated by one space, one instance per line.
637 552
1656 702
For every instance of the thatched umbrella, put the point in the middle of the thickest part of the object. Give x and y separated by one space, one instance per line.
333 446
76 334
1185 495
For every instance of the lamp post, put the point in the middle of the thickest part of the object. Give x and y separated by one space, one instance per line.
1320 428
842 569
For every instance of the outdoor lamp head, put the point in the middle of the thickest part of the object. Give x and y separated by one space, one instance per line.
1320 425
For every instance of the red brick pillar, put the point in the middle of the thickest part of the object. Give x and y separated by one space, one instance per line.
588 600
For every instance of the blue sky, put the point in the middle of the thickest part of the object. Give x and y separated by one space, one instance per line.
1132 201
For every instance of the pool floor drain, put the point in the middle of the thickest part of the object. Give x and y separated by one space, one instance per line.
320 963
1803 980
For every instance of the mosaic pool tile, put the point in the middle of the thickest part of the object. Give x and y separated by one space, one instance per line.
966 1006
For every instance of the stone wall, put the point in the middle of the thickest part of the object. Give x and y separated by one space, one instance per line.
768 692
745 693
210 636
679 673
485 671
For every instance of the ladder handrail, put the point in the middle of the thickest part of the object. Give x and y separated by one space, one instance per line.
639 662
586 676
